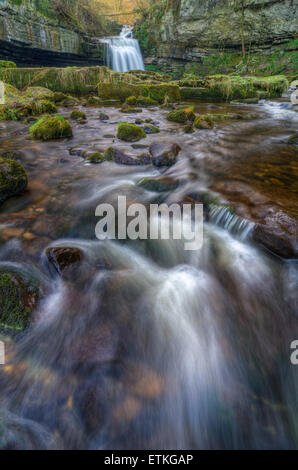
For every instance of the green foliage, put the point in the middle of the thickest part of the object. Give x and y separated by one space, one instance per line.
7 64
49 128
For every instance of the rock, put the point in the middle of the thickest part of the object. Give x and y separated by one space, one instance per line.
203 122
188 129
146 102
77 115
145 159
17 301
63 257
140 146
164 154
77 151
50 128
278 235
293 140
13 179
38 107
150 129
130 109
58 97
139 121
179 115
116 155
103 117
159 185
94 101
130 132
96 158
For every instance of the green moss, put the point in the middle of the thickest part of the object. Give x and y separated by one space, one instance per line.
146 101
96 158
40 93
77 115
6 64
58 97
188 129
151 129
203 122
13 179
179 115
109 154
131 101
49 128
130 109
13 310
115 91
130 132
38 107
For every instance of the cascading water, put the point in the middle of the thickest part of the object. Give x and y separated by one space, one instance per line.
123 52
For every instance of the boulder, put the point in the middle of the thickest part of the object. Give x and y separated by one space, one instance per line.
13 179
151 129
77 115
63 257
130 132
50 128
164 154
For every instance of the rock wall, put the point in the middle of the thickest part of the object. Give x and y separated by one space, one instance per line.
30 38
187 30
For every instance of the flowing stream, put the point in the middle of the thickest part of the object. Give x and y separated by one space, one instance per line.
123 52
144 345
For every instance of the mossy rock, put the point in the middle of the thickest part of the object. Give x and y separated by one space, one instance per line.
130 132
13 179
293 140
179 115
146 101
159 185
115 91
131 101
131 109
50 128
95 158
38 107
7 64
40 93
58 97
77 115
61 257
109 154
17 301
94 101
151 129
204 122
188 129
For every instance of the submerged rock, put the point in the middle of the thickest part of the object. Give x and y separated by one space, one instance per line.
293 140
96 158
63 257
130 132
151 129
17 301
279 236
179 115
50 128
204 122
164 154
116 155
103 117
13 179
188 129
159 185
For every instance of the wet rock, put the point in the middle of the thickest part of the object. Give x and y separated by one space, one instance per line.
116 155
77 151
139 121
78 115
13 179
140 146
145 158
293 140
188 129
151 129
164 154
17 300
278 235
159 185
95 158
179 115
63 257
130 132
93 101
58 97
12 155
103 117
204 122
50 128
130 109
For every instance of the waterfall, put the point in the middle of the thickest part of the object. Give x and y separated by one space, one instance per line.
123 52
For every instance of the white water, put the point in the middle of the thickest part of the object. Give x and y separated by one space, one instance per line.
123 52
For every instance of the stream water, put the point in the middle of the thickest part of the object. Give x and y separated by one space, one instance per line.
145 345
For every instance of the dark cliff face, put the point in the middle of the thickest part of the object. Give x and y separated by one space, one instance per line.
30 37
187 29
